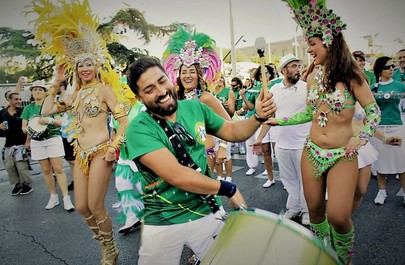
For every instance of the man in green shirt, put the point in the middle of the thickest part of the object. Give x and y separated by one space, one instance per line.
399 73
175 213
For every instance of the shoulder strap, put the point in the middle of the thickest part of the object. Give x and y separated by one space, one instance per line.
183 157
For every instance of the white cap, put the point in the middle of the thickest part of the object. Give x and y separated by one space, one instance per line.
286 59
38 83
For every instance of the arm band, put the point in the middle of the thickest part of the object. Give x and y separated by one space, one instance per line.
298 118
120 111
227 189
373 117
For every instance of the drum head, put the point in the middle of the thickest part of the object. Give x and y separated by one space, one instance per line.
260 237
36 130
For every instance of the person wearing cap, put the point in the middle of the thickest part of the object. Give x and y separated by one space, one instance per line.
46 147
360 58
290 97
14 156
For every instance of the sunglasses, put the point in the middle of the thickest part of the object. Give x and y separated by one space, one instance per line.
182 133
387 67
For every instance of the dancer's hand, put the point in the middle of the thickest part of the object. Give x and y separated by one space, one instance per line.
353 146
271 122
110 154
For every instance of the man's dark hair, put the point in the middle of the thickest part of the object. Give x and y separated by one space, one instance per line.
270 70
401 50
238 82
140 66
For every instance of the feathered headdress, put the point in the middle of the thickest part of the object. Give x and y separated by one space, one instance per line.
188 48
69 33
315 19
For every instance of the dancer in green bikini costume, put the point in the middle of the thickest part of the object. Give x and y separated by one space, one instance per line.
330 157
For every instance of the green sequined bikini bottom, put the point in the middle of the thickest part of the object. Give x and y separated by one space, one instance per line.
324 159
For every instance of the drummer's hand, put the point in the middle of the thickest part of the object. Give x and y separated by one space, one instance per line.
43 121
109 155
238 201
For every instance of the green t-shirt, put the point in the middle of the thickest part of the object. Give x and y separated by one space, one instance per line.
370 78
223 95
398 75
253 93
390 112
32 110
275 81
164 203
238 100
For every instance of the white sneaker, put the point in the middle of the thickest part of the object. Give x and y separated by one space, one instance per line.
268 183
380 198
53 201
305 219
229 179
289 214
264 173
250 172
220 178
67 204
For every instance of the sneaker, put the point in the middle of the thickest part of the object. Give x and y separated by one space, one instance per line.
290 214
229 179
129 226
26 189
380 198
53 201
250 172
220 178
17 189
67 204
305 219
71 186
264 173
268 183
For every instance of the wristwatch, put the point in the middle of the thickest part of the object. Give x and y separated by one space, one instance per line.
259 119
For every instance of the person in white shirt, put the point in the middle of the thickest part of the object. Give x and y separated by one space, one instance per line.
290 96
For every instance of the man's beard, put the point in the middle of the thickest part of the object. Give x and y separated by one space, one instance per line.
293 79
158 110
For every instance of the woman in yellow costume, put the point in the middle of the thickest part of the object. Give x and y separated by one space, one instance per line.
69 34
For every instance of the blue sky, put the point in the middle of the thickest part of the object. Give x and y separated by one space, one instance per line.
252 18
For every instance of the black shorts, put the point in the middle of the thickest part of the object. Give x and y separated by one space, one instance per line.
68 150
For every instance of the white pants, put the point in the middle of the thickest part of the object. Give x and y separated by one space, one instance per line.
163 245
252 160
289 164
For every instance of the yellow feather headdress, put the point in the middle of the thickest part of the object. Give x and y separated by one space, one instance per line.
68 32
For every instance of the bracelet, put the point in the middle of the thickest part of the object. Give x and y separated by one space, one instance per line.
227 189
259 119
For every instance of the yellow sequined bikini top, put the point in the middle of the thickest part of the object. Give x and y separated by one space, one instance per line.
88 96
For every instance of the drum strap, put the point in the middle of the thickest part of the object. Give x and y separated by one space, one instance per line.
183 157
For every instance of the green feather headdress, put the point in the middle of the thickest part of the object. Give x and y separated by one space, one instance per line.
316 20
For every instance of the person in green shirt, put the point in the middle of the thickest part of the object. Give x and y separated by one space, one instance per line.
175 214
227 98
47 148
360 58
399 73
388 93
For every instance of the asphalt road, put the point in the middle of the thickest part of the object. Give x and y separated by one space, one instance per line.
29 234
